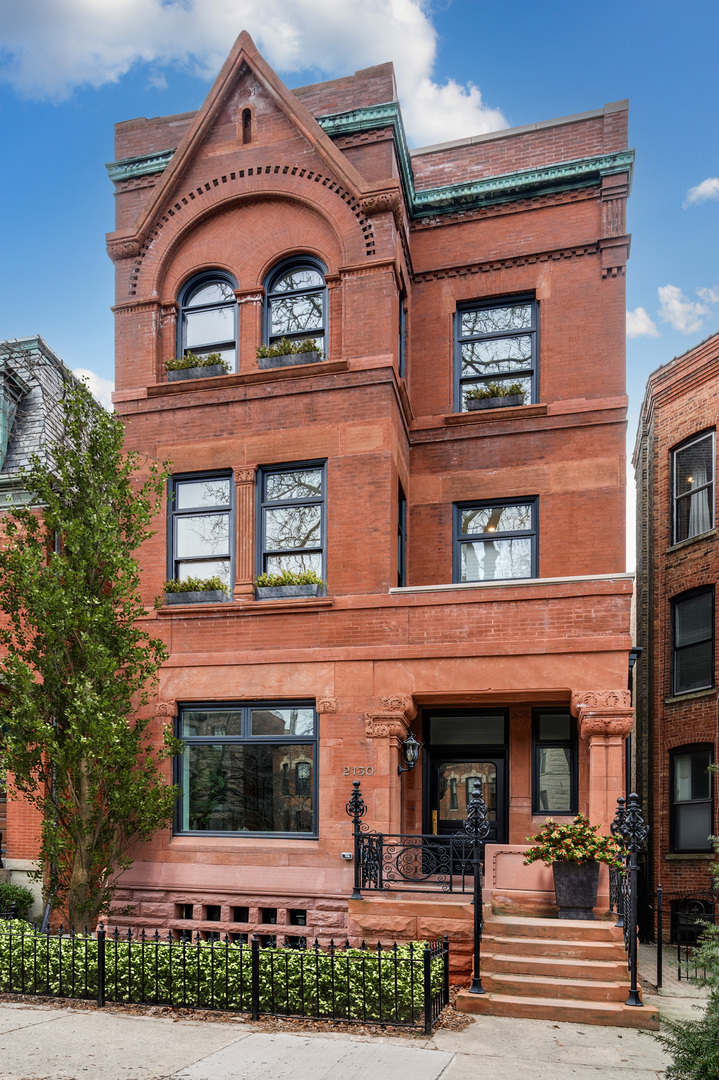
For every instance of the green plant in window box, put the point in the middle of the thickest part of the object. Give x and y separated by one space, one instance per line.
191 366
195 591
494 395
284 353
288 584
574 850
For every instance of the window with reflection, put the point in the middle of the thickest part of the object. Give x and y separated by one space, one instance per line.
691 797
296 303
248 769
693 641
496 343
495 541
693 487
292 519
200 527
554 745
208 318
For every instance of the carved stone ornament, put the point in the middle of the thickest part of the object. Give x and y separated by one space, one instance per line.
381 202
385 726
603 712
600 699
401 703
245 476
123 249
604 725
166 708
327 705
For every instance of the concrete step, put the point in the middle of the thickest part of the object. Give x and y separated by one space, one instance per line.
558 948
566 929
549 986
609 1013
559 967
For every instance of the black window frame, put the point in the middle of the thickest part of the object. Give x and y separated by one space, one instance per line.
289 466
674 804
207 277
402 336
298 262
532 371
401 536
480 504
709 433
242 740
174 514
676 649
571 744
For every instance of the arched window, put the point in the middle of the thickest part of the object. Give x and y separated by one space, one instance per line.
296 303
208 317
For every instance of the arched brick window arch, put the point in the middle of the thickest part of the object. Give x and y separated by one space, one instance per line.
296 302
207 321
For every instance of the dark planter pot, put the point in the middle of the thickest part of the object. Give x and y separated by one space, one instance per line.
207 372
289 359
209 596
495 402
284 592
575 886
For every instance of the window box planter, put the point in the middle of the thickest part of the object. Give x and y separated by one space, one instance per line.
204 596
289 359
285 592
206 372
495 402
575 886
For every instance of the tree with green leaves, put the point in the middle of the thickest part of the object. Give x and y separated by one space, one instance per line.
77 667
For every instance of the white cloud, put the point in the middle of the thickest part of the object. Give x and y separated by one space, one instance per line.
98 386
641 324
708 189
679 311
49 47
709 296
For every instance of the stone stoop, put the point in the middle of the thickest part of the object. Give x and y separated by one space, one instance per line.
555 969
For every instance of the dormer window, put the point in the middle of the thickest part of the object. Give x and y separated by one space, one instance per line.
12 389
296 303
208 317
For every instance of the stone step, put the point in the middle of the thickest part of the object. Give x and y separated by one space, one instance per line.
550 986
609 1013
566 929
559 967
541 947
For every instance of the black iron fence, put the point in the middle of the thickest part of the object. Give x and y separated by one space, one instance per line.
631 830
689 913
414 863
403 985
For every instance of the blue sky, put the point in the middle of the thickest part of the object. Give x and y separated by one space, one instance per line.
69 71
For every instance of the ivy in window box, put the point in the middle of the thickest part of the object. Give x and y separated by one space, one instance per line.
191 366
494 396
284 353
287 585
196 591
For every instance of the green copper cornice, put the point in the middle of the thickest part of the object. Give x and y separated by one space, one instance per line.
453 198
129 168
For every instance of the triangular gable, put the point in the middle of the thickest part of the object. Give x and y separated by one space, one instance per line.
244 55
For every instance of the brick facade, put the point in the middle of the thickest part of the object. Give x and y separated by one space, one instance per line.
377 658
682 400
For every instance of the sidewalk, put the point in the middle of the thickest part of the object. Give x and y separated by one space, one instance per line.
47 1043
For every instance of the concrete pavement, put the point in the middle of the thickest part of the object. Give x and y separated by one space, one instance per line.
46 1043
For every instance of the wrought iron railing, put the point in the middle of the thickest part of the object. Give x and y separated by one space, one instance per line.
630 829
690 913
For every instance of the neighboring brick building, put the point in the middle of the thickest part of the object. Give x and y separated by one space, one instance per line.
677 573
474 560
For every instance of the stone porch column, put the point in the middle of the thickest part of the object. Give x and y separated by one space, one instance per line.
391 726
605 719
245 532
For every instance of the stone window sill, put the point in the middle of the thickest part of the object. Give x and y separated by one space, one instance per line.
483 416
709 535
684 856
293 371
676 699
246 607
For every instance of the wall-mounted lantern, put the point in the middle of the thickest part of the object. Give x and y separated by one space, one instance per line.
410 752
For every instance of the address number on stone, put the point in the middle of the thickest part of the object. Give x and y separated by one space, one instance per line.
358 770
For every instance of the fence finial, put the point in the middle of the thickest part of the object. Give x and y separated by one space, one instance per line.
356 807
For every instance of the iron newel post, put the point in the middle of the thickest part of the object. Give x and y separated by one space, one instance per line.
616 893
629 827
476 829
356 809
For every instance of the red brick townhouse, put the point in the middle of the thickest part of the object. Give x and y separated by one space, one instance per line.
677 574
473 557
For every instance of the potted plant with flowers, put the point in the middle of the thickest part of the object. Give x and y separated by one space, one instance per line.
494 395
574 850
191 366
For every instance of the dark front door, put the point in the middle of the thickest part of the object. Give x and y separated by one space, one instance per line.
452 778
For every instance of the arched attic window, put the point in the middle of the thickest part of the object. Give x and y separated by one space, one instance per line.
208 317
296 303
